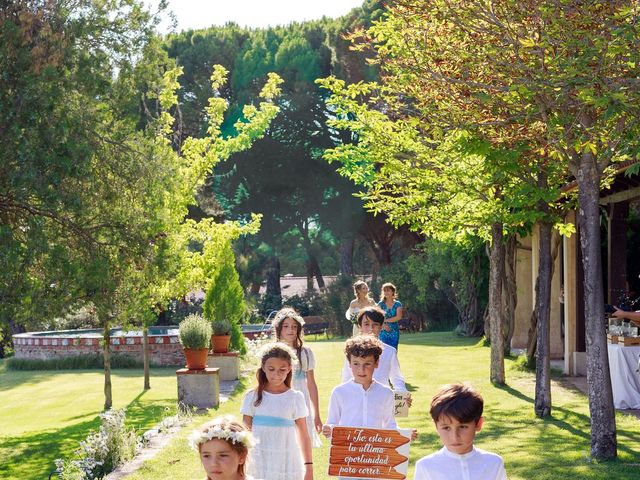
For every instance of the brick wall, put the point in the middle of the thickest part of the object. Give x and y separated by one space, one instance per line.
163 349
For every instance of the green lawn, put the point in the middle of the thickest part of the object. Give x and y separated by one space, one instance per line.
556 449
45 414
65 406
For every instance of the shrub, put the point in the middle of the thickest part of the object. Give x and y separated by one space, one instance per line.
221 327
101 452
195 332
336 299
76 362
225 298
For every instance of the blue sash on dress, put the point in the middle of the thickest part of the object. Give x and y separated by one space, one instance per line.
268 421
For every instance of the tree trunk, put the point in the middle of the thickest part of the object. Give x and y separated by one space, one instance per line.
145 357
346 256
542 404
106 353
496 275
603 423
273 276
318 273
509 292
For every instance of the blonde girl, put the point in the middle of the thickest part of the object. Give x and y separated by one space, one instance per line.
362 300
390 333
287 325
276 415
223 445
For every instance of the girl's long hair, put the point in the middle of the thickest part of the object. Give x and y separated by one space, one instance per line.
273 350
280 317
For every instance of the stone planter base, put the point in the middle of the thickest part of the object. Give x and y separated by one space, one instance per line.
228 363
198 388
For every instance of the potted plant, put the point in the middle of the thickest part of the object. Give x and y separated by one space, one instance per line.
195 337
221 335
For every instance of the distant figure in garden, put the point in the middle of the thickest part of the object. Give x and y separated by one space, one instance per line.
362 300
277 415
392 308
456 410
223 445
370 321
288 329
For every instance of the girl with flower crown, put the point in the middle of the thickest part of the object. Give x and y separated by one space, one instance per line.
223 445
276 414
288 329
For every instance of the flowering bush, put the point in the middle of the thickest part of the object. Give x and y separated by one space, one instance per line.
101 451
251 360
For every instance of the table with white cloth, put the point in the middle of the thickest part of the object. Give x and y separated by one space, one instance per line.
625 380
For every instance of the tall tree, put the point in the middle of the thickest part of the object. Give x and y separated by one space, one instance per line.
560 77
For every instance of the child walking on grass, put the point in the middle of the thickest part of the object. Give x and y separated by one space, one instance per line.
223 445
456 410
288 328
277 416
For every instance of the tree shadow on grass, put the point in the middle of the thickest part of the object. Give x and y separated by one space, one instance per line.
32 455
559 445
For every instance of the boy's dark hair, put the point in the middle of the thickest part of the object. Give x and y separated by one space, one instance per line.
363 346
375 314
457 400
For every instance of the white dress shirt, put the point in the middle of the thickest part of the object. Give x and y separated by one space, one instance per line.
446 465
388 370
353 406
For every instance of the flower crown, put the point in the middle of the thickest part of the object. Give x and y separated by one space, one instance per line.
287 313
244 437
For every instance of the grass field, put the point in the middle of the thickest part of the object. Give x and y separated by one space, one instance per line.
557 448
45 414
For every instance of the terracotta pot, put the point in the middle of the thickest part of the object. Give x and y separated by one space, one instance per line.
220 343
196 358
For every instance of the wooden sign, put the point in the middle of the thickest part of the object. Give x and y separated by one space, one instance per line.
402 407
369 453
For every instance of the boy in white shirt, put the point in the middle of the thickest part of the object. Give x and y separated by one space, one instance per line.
370 321
457 413
361 401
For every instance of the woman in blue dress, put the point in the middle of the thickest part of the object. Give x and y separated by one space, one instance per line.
390 333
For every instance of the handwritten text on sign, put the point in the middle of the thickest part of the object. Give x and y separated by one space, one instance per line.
369 453
402 404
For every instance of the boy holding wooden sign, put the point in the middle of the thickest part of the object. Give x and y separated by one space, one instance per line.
456 410
364 402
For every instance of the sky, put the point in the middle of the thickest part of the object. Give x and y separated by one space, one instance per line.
253 13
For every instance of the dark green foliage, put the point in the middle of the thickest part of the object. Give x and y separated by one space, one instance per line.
444 284
225 298
307 208
309 303
336 298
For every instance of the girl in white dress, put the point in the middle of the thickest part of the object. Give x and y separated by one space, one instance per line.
276 414
223 445
287 325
